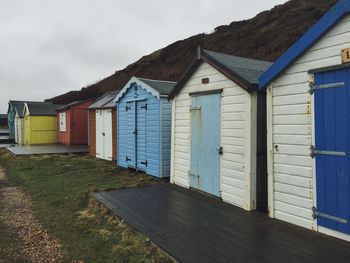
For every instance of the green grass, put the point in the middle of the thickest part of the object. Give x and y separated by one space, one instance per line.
60 188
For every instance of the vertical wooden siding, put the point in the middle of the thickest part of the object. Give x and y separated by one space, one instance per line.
291 169
235 135
76 125
152 145
92 127
165 136
114 133
40 129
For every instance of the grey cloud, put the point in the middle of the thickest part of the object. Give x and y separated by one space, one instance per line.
50 47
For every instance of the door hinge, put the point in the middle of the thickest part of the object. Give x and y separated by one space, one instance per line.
315 152
127 108
145 163
144 107
190 174
316 214
195 108
314 87
135 131
127 159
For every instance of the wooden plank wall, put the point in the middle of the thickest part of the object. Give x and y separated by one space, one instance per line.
236 135
92 127
291 169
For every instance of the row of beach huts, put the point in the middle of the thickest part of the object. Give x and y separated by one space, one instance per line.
261 136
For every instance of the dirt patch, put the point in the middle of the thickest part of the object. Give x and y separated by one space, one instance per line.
38 246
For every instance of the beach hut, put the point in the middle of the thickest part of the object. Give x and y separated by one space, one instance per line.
73 123
144 126
308 113
14 108
19 124
218 129
40 123
103 127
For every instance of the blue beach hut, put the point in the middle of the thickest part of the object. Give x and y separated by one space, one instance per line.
144 126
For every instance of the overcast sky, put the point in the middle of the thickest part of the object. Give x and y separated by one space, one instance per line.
50 47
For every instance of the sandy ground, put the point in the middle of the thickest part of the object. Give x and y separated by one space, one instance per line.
17 212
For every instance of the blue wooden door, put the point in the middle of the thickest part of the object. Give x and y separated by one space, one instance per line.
141 108
332 149
131 132
205 143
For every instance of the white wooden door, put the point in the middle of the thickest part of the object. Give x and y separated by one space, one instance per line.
108 133
99 134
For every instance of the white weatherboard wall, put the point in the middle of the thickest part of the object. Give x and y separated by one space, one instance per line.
292 192
236 183
19 125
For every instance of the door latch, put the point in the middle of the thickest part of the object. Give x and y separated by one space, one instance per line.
315 152
220 150
316 214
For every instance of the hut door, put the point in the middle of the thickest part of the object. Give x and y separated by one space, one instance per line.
205 143
332 149
108 143
130 150
99 135
141 135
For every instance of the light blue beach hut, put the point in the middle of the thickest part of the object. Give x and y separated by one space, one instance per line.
144 126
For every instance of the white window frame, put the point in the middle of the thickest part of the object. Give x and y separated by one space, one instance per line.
63 121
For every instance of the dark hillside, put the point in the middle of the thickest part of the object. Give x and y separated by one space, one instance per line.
265 36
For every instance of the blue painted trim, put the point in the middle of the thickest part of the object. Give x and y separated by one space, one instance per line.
331 18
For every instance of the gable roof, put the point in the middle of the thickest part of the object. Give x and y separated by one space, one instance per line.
72 104
105 101
317 31
163 87
158 88
41 108
243 71
67 106
18 106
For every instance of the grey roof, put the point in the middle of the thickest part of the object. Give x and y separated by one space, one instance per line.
42 108
163 87
67 106
248 69
105 101
18 106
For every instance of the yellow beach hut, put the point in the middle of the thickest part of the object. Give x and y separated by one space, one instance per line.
40 123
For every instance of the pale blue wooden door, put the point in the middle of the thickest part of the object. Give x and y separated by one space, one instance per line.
131 137
332 135
141 108
205 143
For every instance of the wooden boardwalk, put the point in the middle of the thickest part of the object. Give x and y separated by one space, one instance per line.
47 149
193 227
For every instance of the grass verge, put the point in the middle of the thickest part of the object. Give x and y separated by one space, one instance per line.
60 189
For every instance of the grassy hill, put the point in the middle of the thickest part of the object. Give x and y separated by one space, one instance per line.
265 36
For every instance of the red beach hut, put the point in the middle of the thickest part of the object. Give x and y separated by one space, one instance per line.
73 123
